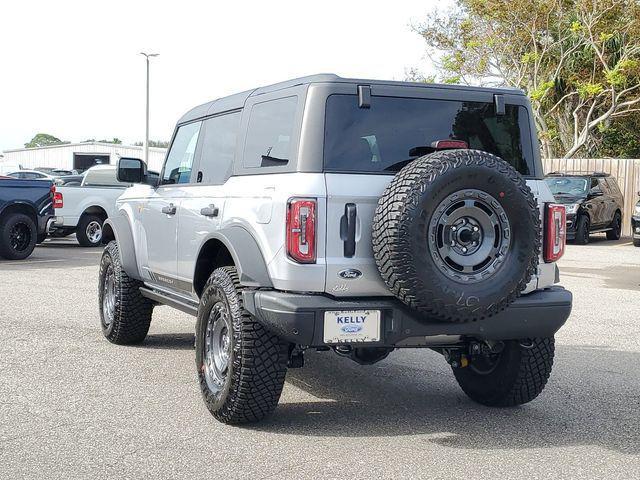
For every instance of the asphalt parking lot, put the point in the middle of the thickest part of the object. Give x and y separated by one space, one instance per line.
72 405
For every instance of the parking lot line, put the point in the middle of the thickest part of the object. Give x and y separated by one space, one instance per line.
27 262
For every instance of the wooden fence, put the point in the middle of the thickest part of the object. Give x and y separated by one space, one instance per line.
626 171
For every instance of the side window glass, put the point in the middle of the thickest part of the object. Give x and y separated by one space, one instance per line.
603 185
177 168
594 186
219 148
270 133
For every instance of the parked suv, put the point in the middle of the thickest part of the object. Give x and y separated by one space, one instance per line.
594 204
349 215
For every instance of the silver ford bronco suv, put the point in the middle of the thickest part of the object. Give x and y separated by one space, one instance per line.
357 216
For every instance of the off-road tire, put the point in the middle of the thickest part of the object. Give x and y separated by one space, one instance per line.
636 242
401 227
81 231
7 223
616 227
520 374
583 228
132 312
258 361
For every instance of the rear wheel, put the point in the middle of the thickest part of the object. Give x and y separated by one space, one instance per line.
582 230
616 227
512 377
241 366
18 236
89 231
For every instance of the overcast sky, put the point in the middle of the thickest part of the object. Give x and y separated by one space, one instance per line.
73 69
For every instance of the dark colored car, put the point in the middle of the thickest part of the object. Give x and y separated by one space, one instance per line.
70 180
635 224
594 203
26 211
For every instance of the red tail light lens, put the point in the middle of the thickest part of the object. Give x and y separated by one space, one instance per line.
555 234
58 201
301 230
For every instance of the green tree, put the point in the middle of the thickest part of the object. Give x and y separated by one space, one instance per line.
43 140
578 60
154 143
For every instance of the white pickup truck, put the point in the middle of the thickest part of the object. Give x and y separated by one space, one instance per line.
83 209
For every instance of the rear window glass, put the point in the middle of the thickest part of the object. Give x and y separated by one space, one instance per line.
396 130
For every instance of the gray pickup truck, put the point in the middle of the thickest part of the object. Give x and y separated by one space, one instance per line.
357 216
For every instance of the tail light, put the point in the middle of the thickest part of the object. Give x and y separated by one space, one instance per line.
301 230
555 232
58 201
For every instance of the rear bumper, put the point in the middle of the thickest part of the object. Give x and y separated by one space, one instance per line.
299 318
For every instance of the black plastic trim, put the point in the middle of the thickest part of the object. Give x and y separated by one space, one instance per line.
164 299
299 318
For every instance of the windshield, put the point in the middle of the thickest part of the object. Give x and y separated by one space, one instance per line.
567 185
397 129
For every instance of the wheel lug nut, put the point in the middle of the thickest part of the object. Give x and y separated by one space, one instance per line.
464 249
475 229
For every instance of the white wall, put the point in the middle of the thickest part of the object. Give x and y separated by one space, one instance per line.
61 156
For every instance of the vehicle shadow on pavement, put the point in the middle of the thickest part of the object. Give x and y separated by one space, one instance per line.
622 277
169 341
593 398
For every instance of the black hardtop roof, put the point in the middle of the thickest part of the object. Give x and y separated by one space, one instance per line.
237 100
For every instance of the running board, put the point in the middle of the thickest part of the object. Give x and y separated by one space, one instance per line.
164 299
600 230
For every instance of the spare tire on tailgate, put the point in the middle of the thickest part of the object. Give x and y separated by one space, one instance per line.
456 235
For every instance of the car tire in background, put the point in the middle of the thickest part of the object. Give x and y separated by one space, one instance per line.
582 230
636 242
456 235
18 236
616 227
125 315
241 365
89 231
514 376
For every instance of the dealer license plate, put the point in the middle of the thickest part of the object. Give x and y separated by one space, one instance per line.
345 326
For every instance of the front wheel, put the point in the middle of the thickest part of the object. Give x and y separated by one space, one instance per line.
616 227
241 366
125 315
582 230
515 376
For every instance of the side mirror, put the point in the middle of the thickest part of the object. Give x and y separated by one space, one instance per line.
131 170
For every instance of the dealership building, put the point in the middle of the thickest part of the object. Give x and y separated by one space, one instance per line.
76 156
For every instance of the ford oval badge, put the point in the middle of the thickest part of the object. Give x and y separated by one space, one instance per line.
351 328
350 274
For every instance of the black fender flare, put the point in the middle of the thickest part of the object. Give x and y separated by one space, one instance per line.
118 228
246 254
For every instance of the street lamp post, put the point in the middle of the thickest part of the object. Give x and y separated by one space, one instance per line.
146 134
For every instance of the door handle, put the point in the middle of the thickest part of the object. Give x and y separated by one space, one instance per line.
210 211
348 229
169 209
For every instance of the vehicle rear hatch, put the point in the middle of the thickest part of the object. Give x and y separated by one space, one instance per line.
364 147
